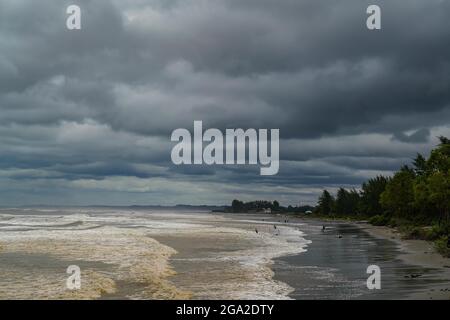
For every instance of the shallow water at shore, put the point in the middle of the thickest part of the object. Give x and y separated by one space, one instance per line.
335 268
166 254
230 264
125 254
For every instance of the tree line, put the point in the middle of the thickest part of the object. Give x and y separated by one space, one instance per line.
420 192
416 195
416 199
238 206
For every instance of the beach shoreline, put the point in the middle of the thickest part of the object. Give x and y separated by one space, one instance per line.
419 253
151 254
415 252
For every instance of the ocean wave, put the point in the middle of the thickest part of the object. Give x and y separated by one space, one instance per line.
255 264
240 267
133 256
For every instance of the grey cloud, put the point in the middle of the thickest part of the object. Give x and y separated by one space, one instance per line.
421 135
100 104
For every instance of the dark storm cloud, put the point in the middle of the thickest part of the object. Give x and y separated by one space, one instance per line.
94 109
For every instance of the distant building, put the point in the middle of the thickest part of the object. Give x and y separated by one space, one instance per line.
267 210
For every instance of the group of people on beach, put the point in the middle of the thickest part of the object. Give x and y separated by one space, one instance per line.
324 228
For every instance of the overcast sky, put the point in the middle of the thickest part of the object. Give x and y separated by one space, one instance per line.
86 116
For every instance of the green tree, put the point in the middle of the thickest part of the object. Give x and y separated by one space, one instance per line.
276 205
432 188
420 165
439 160
340 206
439 193
237 206
370 196
326 203
346 202
398 197
354 202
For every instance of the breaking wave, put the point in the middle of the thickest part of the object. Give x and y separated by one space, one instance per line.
119 256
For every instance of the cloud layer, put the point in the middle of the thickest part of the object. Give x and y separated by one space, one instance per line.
86 116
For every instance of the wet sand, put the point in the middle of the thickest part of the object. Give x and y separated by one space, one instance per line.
417 252
231 260
335 268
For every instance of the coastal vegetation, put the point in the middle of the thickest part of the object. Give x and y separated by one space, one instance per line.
415 200
238 206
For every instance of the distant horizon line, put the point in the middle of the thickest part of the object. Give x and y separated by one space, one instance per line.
109 206
122 206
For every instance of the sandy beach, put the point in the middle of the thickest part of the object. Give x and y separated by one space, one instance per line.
417 252
411 269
